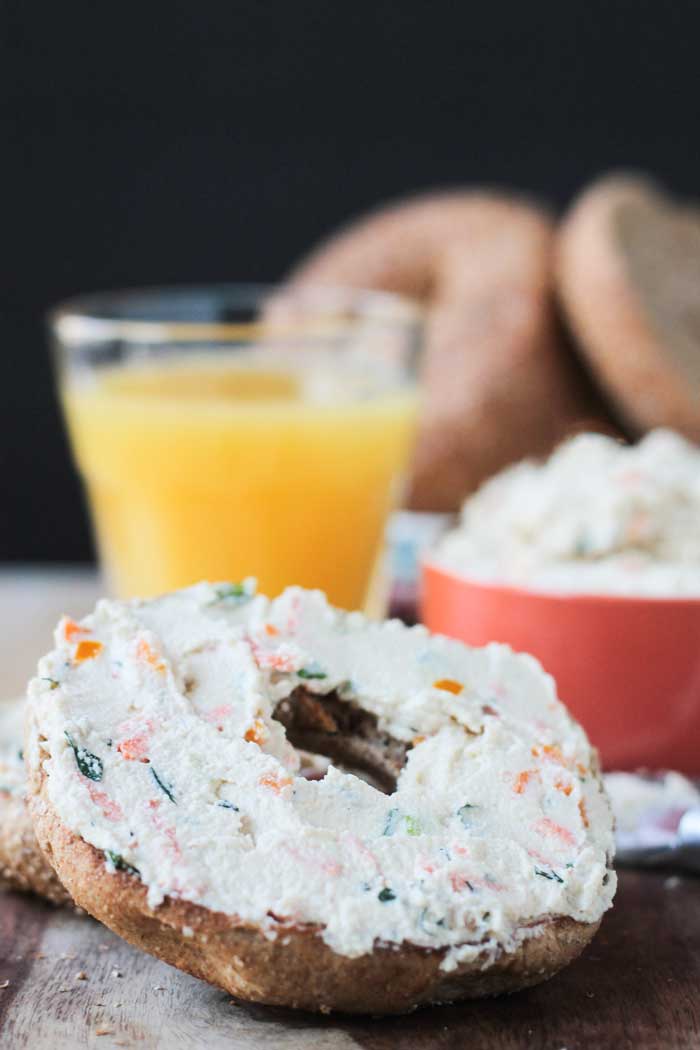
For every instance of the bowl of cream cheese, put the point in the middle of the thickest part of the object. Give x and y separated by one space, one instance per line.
590 561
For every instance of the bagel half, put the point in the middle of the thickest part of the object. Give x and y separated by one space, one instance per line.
499 383
333 895
628 272
22 864
296 969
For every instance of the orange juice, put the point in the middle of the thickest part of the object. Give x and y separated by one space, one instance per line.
212 469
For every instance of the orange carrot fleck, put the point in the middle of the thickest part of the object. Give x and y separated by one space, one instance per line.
562 785
582 769
71 628
417 740
460 882
86 650
584 813
553 752
550 829
135 749
523 779
111 810
274 783
256 734
144 652
448 685
271 630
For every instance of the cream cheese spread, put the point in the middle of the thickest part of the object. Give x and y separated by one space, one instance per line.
13 780
635 798
164 753
597 517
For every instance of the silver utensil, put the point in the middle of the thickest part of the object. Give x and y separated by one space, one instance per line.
666 838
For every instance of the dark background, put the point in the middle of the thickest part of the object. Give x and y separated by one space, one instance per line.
193 141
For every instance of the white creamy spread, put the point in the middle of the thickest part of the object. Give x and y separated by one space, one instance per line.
635 798
164 753
597 517
12 774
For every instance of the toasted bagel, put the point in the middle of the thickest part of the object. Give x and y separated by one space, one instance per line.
162 749
628 271
22 864
499 381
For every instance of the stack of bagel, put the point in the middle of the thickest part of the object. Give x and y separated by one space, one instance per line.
535 329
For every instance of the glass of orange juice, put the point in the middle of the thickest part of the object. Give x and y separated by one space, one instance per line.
238 431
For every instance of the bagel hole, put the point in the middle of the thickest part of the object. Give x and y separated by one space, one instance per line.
327 728
315 767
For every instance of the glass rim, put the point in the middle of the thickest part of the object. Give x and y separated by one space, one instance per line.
87 317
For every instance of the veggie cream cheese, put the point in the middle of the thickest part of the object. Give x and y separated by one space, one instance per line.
597 517
164 753
12 775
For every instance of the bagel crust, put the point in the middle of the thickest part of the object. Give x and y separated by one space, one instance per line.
23 865
165 789
295 969
499 382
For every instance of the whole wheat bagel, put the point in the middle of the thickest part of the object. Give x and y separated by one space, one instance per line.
22 864
165 789
628 273
499 382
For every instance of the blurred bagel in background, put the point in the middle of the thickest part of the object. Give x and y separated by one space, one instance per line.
628 277
500 381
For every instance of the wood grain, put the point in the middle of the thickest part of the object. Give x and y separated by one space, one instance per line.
636 988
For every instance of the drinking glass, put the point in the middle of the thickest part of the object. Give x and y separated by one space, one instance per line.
236 431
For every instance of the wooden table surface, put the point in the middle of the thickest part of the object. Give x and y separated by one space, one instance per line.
636 988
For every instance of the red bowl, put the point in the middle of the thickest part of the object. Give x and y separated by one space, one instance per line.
628 668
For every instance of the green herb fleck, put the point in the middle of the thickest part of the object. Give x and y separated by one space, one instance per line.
20 755
224 804
312 671
386 895
119 864
88 764
463 814
165 788
392 819
551 875
427 922
412 825
233 593
52 682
